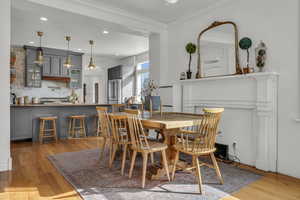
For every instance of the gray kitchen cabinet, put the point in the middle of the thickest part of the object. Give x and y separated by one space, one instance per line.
33 76
77 62
47 66
55 66
76 79
22 124
64 71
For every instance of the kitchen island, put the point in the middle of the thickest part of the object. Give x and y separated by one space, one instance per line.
25 118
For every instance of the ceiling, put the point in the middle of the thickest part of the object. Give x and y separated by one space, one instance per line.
120 42
159 10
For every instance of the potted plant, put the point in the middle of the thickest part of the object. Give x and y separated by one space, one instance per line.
149 96
190 49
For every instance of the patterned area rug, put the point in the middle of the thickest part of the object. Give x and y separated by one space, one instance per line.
93 180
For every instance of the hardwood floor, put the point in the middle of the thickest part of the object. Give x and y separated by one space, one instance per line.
33 176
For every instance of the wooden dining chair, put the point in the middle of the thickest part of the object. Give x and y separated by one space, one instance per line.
139 143
100 109
105 129
200 141
132 111
119 137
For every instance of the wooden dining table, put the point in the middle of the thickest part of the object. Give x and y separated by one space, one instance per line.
169 124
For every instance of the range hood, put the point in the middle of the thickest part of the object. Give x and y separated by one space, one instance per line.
58 79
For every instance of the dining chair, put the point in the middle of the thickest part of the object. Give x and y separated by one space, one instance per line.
140 144
119 138
200 141
99 109
132 111
105 130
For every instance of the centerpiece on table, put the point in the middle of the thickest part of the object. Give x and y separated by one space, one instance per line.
150 96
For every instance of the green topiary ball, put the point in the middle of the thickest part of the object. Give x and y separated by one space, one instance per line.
245 43
191 48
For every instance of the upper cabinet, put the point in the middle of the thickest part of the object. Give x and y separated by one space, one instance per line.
53 66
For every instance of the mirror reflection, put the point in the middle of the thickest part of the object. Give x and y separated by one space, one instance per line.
217 51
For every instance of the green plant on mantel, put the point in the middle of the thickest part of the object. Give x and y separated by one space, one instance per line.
190 49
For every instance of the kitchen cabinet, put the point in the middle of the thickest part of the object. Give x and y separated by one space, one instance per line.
21 124
76 80
64 71
47 66
53 66
33 72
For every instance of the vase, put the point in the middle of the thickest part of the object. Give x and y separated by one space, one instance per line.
155 100
188 74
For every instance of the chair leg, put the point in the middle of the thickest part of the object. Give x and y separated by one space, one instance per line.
213 158
124 158
132 163
42 127
84 128
114 150
145 160
70 128
102 149
198 172
152 158
166 166
55 130
73 128
174 164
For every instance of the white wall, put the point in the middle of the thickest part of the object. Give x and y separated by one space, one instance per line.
129 66
5 160
277 24
90 77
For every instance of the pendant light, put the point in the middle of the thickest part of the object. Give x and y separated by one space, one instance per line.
91 64
39 53
68 62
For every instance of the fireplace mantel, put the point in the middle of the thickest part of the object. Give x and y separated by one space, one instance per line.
250 116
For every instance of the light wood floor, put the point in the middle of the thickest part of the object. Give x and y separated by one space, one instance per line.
33 176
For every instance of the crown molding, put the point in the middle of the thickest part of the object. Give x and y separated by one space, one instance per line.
201 12
97 10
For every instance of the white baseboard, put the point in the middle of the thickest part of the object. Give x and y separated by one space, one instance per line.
6 165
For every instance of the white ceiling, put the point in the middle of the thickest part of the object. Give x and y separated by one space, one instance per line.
120 41
159 10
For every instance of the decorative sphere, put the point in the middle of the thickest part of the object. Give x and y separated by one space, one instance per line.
245 43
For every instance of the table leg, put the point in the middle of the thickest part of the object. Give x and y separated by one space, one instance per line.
170 139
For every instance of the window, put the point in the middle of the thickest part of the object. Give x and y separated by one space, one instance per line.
142 77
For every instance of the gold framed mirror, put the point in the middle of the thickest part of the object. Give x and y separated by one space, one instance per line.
218 50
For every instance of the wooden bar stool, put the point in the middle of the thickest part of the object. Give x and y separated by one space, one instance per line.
48 132
74 129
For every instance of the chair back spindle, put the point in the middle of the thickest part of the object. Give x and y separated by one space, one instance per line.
201 137
137 134
119 128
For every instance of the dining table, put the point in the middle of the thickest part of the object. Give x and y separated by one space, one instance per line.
169 125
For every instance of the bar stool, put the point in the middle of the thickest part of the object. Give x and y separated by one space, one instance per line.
47 133
73 128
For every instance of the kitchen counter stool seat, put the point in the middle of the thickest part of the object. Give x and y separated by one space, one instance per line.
48 132
74 129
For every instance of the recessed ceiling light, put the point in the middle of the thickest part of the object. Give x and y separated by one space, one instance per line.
31 42
44 19
171 1
105 32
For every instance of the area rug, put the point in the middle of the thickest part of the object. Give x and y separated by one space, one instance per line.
93 180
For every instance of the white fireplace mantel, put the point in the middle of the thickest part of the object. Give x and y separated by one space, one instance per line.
249 100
